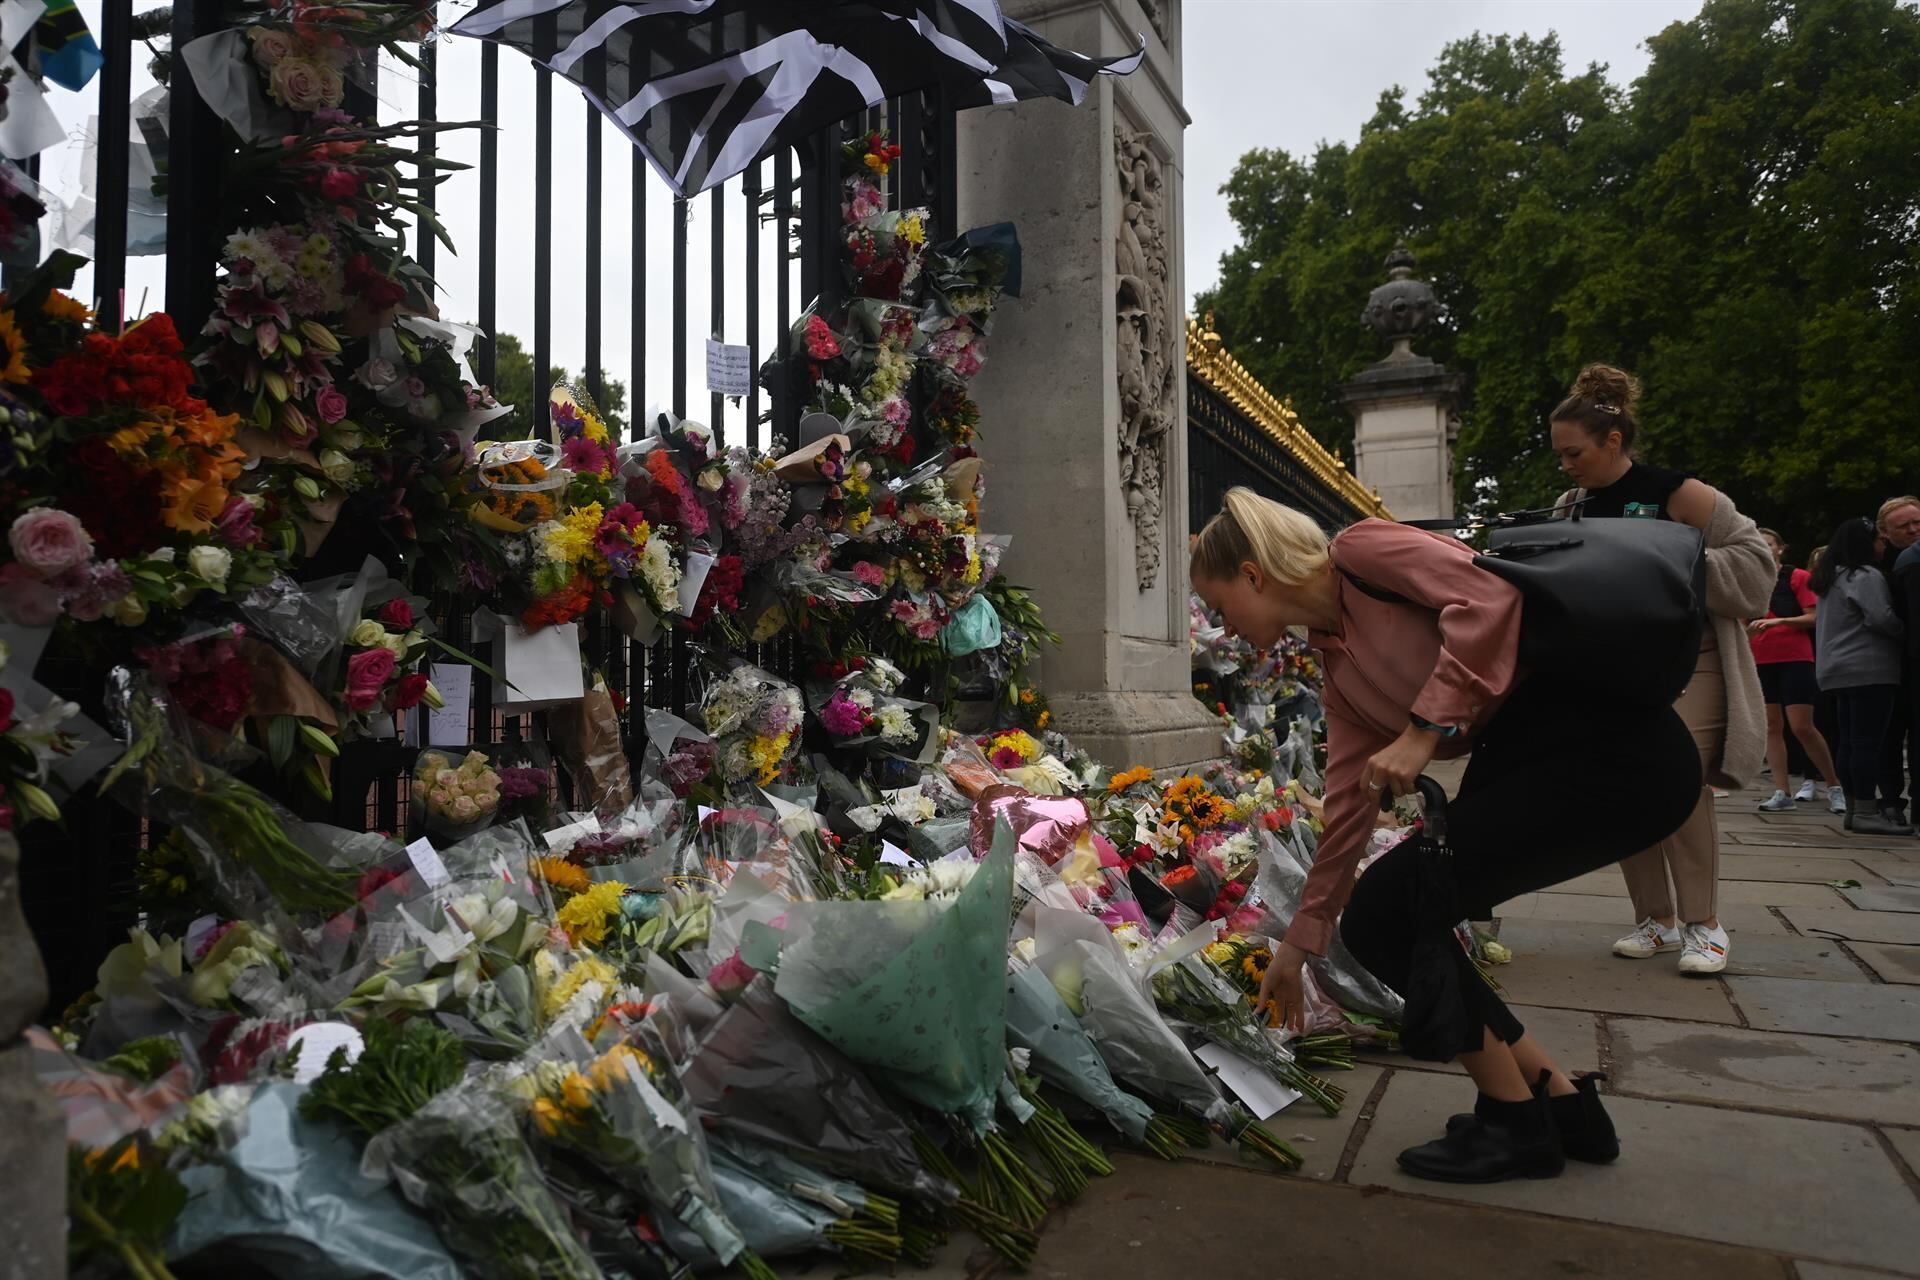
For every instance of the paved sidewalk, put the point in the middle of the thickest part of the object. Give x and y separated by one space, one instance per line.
1770 1117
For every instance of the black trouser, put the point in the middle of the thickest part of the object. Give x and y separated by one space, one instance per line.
1902 736
1556 787
1866 729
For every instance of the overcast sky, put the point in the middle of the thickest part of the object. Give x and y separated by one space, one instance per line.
1259 73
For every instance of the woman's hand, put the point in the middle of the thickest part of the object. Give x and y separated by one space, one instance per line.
1281 989
1758 625
1394 770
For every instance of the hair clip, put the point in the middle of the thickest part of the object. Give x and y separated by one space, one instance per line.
1604 407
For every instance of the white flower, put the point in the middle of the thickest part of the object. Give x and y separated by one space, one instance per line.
658 569
897 724
162 554
336 466
210 564
367 634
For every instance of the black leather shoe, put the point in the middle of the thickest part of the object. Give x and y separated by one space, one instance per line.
1586 1131
1504 1140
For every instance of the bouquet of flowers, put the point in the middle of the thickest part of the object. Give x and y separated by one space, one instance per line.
754 719
859 709
456 797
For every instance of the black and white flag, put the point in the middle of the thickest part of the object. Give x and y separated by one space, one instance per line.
706 87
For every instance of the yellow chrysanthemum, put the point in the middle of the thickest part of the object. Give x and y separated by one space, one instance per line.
15 343
568 985
570 538
765 755
548 1117
562 874
585 915
913 229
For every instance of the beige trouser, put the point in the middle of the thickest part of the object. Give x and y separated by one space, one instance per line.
1691 854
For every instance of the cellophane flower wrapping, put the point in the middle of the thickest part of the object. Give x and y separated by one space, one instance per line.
913 989
1276 892
1086 967
461 1159
760 1075
1064 1055
623 1107
773 1222
288 1197
755 720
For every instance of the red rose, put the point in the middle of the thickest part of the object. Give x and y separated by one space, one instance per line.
6 710
339 184
407 692
398 614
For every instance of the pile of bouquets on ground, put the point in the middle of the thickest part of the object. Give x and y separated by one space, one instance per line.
758 1007
1260 695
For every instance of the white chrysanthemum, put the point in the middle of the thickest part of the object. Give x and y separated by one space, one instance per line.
897 724
658 568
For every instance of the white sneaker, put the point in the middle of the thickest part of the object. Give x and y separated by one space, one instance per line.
1649 940
1778 802
1836 800
1706 950
1805 793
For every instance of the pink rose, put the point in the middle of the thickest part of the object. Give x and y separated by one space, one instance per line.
397 613
331 404
25 600
367 674
47 540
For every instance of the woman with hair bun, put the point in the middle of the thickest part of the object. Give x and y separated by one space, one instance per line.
1419 648
1674 884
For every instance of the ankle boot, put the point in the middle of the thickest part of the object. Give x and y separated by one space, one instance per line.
1501 1140
1867 820
1586 1131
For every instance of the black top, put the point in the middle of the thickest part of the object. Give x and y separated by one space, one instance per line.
1643 492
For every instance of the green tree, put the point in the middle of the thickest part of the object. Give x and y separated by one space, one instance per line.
1741 227
513 383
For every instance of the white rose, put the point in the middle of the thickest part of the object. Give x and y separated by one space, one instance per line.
211 565
336 466
397 645
367 634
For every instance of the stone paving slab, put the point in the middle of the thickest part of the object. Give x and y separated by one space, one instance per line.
1892 963
1755 893
1827 1271
1902 927
1870 1010
1226 1222
1573 967
1697 1171
1874 898
1737 866
1907 1143
1571 1035
1816 1075
1318 1137
1735 917
1765 955
1807 838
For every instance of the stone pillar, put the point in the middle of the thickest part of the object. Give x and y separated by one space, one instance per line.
1083 402
1405 407
33 1142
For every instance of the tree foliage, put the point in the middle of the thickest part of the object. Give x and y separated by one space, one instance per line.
1740 227
513 384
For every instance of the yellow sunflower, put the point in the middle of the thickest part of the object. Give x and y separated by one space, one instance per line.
15 343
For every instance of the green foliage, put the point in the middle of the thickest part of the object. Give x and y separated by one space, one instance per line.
513 384
398 1072
1741 228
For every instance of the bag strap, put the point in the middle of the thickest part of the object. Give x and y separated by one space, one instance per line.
1378 593
1502 519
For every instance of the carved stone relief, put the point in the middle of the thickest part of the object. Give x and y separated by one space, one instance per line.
1148 344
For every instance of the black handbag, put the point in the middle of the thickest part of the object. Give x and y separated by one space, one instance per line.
1617 605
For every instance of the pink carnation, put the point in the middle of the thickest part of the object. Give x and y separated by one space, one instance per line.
841 717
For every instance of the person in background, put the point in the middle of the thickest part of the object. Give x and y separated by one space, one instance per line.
1420 652
1897 525
1906 603
1675 883
1783 651
1857 643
